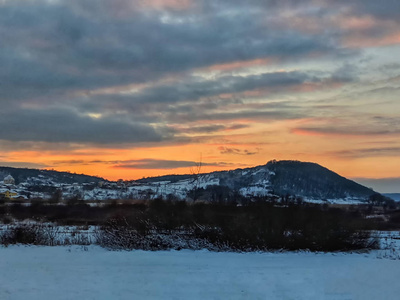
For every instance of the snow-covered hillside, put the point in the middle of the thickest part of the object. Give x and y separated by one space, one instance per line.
307 180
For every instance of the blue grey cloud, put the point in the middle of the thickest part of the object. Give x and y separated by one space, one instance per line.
65 126
381 185
69 50
163 164
53 54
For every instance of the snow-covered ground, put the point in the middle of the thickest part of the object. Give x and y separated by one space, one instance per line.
76 272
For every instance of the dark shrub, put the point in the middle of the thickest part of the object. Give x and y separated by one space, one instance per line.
24 234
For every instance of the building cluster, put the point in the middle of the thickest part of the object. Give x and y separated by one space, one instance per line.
8 189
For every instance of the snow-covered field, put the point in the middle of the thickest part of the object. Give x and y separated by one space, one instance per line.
76 272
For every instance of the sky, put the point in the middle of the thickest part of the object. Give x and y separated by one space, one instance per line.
134 88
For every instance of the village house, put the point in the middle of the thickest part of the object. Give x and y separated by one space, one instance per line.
9 180
8 194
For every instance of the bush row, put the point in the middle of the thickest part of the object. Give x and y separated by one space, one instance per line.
41 234
245 228
159 224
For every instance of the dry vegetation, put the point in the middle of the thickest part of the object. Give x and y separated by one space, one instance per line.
159 224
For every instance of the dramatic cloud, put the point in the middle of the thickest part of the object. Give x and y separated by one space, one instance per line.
176 78
70 49
200 88
65 126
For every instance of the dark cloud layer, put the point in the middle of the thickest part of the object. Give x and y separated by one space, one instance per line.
64 126
162 164
340 130
236 151
369 152
198 88
211 128
381 185
57 56
21 164
72 50
387 9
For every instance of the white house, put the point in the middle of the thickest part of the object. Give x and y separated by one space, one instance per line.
9 180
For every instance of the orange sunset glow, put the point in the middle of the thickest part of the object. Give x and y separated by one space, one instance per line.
132 89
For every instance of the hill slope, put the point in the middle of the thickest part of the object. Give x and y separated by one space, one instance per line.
305 179
308 180
312 180
23 174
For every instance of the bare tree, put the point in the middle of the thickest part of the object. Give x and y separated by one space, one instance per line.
195 171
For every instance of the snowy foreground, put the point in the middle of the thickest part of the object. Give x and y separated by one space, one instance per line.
76 272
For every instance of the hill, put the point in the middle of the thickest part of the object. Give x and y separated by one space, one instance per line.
23 174
276 178
304 179
394 196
